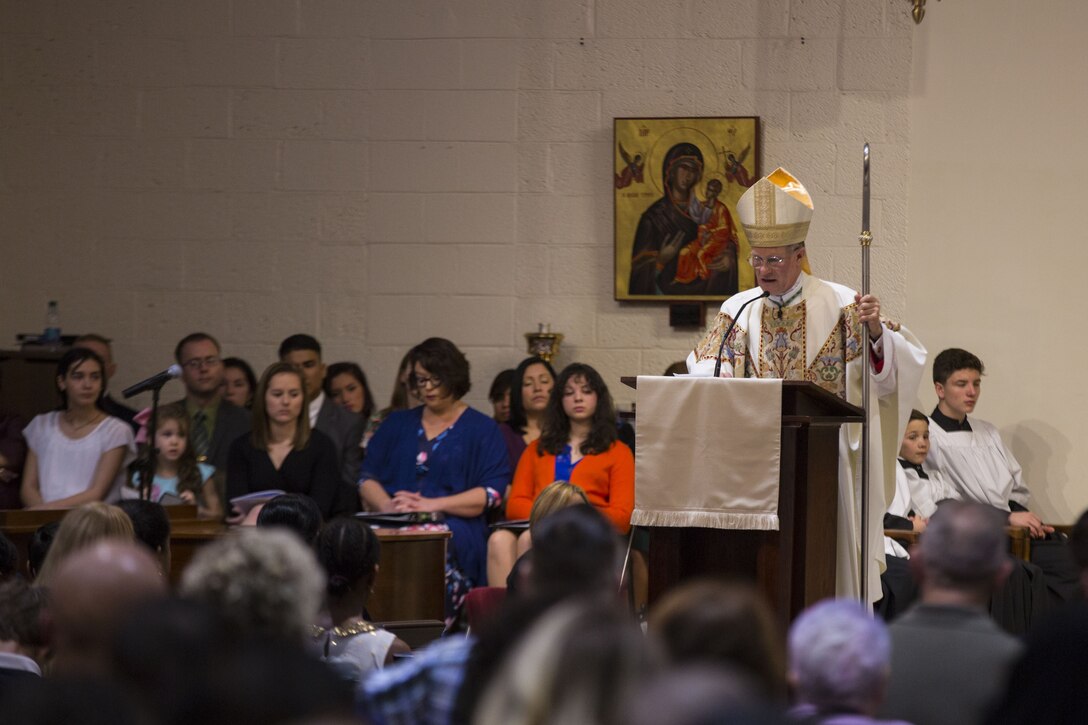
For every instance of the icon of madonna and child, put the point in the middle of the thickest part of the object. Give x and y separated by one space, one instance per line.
686 244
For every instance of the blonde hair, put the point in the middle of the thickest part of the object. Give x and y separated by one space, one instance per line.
555 496
82 527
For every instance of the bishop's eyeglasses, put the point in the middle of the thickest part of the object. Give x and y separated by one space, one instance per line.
757 261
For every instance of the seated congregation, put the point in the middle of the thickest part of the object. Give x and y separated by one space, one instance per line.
270 621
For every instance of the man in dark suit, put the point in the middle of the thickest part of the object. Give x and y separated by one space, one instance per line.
100 346
344 427
950 661
214 423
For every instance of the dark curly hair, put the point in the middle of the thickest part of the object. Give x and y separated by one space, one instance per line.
556 429
442 359
349 550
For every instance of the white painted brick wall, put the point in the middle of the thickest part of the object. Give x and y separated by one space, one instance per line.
376 171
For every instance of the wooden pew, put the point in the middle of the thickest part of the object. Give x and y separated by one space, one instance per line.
1019 540
410 585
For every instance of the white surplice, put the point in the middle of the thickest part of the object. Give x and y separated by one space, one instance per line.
977 465
917 494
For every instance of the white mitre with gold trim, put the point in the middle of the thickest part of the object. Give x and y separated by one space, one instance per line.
775 211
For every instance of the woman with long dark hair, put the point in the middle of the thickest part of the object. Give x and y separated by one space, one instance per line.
77 453
532 386
579 445
346 384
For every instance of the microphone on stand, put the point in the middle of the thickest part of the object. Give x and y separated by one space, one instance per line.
721 349
155 381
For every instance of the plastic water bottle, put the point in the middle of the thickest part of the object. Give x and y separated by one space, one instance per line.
51 337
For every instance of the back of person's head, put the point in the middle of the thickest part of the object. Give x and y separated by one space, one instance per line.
166 653
92 592
964 548
839 655
724 624
579 663
82 527
264 582
9 558
273 682
295 511
555 496
953 359
21 621
349 550
38 546
151 526
299 342
575 551
574 556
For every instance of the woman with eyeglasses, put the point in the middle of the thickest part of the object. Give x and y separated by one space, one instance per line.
441 458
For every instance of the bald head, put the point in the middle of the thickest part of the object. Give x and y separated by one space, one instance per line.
93 591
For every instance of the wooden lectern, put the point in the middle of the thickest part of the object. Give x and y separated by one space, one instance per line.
794 566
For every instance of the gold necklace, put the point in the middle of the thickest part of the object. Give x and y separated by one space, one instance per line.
80 426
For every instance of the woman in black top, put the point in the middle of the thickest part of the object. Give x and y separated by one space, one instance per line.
282 452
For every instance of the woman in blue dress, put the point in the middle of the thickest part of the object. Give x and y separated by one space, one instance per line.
442 457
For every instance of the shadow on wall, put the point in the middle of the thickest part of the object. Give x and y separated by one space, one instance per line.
1043 452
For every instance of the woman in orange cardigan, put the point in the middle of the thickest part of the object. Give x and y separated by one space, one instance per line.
578 444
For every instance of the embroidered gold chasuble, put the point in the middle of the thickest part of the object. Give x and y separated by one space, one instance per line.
818 339
783 347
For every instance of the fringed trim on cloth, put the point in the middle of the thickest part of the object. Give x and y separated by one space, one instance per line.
706 519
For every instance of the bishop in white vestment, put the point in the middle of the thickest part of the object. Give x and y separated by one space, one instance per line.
811 329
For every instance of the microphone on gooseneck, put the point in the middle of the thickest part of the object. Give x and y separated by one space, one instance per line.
721 349
155 381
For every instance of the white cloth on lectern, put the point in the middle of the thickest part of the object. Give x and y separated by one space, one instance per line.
708 452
